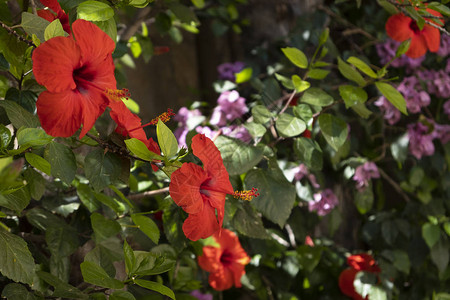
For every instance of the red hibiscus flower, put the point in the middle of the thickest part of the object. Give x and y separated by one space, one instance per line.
401 28
358 263
78 75
201 191
225 263
58 13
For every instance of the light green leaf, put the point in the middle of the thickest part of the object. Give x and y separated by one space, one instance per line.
362 66
364 201
62 161
351 74
147 226
16 261
261 114
288 125
95 274
431 234
38 162
296 56
352 95
33 137
316 96
244 75
198 3
299 84
333 129
33 24
394 96
238 157
361 110
109 27
130 259
94 11
5 136
285 81
139 149
54 29
255 129
155 286
318 73
166 139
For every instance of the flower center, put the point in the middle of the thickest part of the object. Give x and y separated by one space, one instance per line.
226 258
413 26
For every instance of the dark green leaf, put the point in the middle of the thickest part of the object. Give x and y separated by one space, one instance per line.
121 295
147 226
184 13
361 110
17 200
334 130
288 125
440 255
389 231
15 291
94 11
173 219
351 74
316 96
62 161
33 137
401 261
96 275
33 24
36 183
103 256
238 157
309 257
296 56
155 286
256 130
248 223
364 200
19 116
352 95
109 27
16 261
5 136
394 96
102 169
87 197
130 259
62 289
309 153
403 48
25 98
104 228
62 240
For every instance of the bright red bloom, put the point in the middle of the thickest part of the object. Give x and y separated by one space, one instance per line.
225 263
201 191
401 28
77 74
59 13
358 262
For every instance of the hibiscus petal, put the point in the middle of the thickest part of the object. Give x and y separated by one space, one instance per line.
221 280
210 260
432 38
93 105
52 4
59 113
346 279
94 43
184 187
217 200
46 14
418 47
397 27
229 242
54 62
201 225
237 270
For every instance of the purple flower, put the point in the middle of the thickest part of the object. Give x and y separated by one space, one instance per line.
444 48
230 107
197 294
227 70
302 171
447 108
415 97
420 142
324 202
364 173
386 51
237 132
441 132
438 82
391 114
185 118
206 131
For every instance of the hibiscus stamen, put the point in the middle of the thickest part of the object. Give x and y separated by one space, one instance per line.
246 195
164 117
117 95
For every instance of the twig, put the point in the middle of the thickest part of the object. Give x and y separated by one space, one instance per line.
148 194
33 7
131 30
291 235
18 36
394 185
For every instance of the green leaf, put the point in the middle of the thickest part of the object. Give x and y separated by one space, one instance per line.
62 289
351 74
5 136
16 201
361 110
389 230
333 129
364 200
362 66
33 24
173 218
87 197
440 7
256 130
440 255
147 226
296 56
238 157
377 293
155 286
36 183
309 153
318 73
261 114
130 259
104 257
288 125
247 222
33 137
61 240
277 195
103 228
403 48
96 275
16 261
244 75
401 261
166 139
309 257
62 161
285 81
38 162
304 112
399 148
18 115
324 36
431 234
139 149
102 169
109 27
94 11
352 95
15 291
198 3
316 96
394 96
54 29
121 295
184 13
299 84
